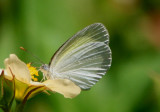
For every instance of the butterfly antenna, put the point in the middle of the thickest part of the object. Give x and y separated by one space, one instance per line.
22 48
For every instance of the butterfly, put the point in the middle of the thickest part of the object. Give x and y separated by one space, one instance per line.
83 59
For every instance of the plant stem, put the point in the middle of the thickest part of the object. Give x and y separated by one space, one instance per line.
19 106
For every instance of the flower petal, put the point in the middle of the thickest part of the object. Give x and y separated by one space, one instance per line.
9 77
25 91
18 68
64 87
0 71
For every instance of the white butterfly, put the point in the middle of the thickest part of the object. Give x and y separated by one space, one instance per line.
83 59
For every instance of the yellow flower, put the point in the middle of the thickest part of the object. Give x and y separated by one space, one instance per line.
33 71
26 88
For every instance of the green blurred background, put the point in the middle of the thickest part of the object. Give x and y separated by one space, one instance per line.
133 82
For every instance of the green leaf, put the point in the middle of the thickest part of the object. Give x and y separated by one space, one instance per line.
7 92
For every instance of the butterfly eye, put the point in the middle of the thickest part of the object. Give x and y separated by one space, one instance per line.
44 67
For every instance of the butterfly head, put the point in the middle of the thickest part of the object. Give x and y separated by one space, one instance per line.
44 68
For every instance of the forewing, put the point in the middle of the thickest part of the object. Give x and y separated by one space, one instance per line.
84 58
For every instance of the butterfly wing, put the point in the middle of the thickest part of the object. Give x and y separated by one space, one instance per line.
84 58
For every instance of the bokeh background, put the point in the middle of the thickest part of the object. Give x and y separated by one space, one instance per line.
133 82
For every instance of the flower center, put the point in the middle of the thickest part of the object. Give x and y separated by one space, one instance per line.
33 71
